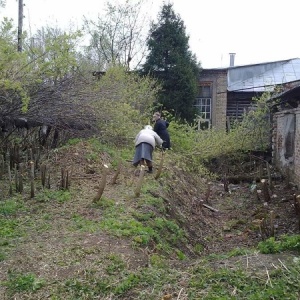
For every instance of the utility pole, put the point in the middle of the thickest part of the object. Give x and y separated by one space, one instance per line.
20 26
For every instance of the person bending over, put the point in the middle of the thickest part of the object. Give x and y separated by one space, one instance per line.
145 142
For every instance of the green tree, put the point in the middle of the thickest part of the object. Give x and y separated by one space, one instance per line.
53 53
171 61
13 66
122 104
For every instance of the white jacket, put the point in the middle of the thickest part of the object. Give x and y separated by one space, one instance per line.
148 136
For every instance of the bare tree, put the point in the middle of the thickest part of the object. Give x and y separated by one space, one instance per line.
2 3
119 37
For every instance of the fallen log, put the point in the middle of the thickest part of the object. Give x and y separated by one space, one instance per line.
209 207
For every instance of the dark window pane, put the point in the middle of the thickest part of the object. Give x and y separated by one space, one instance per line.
205 91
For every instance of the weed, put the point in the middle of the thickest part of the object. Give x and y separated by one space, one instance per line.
4 243
10 207
143 216
198 248
9 228
169 230
18 282
131 228
158 261
50 195
93 156
2 256
116 264
285 242
128 283
77 289
180 255
157 203
85 225
105 203
46 217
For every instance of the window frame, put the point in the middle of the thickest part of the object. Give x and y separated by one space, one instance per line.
203 103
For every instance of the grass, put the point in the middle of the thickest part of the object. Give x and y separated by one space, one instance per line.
53 195
202 281
10 207
18 282
224 283
60 245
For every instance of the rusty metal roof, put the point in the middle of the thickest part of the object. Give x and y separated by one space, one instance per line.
264 76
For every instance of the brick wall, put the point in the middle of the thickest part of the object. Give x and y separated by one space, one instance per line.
218 79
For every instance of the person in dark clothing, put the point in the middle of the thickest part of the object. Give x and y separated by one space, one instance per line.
160 127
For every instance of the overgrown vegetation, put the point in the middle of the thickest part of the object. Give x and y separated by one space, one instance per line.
57 243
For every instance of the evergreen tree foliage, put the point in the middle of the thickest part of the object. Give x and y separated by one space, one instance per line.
171 61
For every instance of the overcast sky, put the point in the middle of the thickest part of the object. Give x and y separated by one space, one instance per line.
256 30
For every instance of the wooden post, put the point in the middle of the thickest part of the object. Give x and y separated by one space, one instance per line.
260 171
228 124
137 191
48 186
31 179
10 180
114 179
226 183
43 174
21 186
208 192
101 185
16 179
68 177
265 190
2 165
159 170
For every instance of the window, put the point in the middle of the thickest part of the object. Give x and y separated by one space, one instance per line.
204 107
205 91
203 104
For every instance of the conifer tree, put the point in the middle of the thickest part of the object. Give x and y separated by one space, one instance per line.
172 63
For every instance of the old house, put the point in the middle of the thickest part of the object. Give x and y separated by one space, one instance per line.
226 93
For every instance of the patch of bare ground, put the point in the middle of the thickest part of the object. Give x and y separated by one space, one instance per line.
222 221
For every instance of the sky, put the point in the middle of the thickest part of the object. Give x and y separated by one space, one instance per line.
257 31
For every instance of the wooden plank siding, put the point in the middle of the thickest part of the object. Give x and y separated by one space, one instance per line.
238 103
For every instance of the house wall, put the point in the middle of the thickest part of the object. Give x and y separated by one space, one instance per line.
218 79
286 143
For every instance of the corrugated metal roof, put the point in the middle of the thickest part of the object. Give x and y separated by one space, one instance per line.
263 77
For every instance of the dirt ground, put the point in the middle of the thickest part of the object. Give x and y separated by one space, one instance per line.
219 220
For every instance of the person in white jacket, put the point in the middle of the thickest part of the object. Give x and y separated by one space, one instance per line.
145 142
